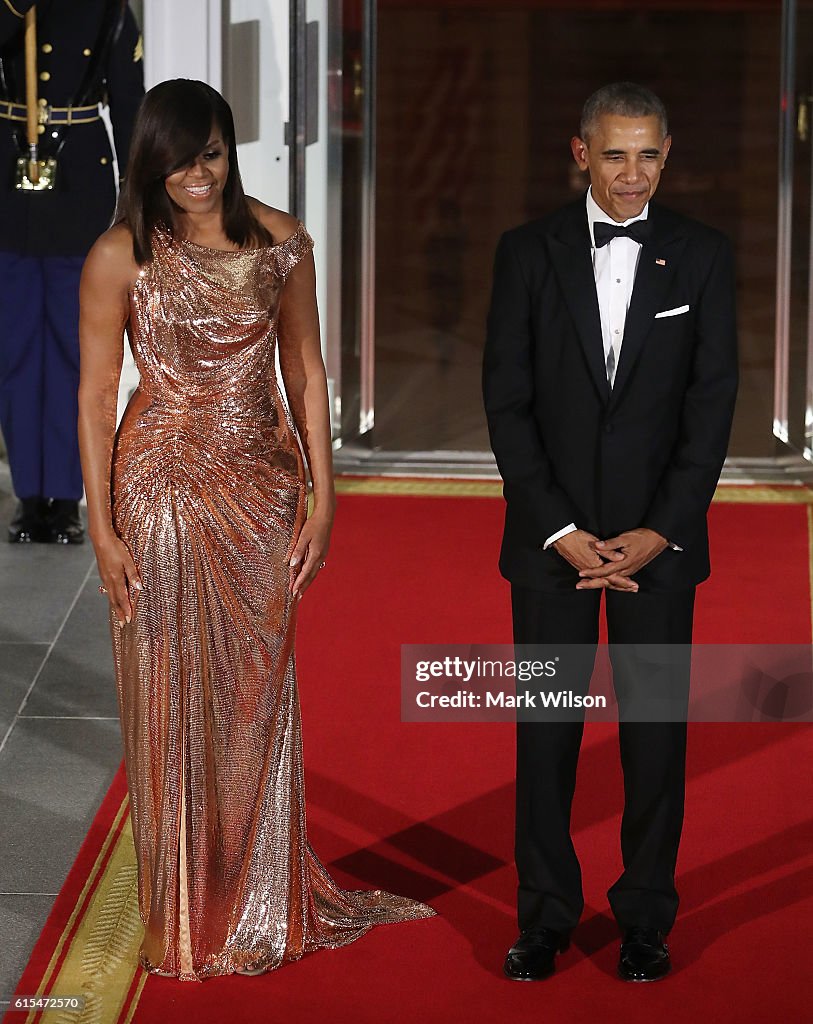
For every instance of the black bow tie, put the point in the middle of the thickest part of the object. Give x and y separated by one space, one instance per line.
638 231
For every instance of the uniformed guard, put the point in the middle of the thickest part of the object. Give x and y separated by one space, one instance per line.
58 62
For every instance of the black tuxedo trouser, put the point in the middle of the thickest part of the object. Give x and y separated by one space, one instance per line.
653 758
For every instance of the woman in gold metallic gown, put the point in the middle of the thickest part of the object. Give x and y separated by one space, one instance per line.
198 515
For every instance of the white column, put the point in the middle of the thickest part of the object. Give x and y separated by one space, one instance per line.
182 39
264 163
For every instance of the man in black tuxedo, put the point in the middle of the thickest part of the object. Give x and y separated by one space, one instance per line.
609 380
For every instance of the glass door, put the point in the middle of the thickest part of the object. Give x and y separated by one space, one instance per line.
475 109
352 128
314 181
793 398
467 133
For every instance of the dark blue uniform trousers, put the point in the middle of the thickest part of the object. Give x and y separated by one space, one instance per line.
39 373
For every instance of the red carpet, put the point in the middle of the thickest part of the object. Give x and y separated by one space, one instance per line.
427 809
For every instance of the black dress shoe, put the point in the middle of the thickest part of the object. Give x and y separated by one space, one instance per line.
65 522
644 955
532 956
29 522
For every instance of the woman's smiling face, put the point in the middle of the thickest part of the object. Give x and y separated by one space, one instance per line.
198 187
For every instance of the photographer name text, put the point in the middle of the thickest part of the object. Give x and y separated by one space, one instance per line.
499 699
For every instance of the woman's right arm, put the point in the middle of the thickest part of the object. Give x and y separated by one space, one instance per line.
107 276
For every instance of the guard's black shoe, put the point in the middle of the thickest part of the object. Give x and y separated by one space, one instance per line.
65 522
532 956
644 955
29 522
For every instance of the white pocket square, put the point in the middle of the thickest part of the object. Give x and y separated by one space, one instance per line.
673 312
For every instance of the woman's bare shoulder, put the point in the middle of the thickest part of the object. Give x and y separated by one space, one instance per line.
281 224
114 245
111 257
116 242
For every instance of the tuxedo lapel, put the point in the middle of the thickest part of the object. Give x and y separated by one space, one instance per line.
569 248
656 267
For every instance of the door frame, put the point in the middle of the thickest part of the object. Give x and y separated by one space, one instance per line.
356 452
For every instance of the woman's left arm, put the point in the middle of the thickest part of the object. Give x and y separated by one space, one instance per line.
305 379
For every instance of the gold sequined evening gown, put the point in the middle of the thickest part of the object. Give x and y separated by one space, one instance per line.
208 493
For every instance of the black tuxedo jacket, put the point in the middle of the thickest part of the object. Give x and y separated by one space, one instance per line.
647 453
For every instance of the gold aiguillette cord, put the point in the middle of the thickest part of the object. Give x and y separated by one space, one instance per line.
31 103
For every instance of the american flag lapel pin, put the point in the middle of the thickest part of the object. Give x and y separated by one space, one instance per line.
661 263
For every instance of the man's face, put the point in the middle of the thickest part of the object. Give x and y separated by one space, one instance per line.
625 157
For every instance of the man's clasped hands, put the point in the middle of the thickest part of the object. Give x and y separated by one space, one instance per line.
610 563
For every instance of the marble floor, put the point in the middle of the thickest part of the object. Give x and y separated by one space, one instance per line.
60 743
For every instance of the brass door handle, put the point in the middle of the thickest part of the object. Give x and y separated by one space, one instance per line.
803 118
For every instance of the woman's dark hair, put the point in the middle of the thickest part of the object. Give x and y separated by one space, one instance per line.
173 125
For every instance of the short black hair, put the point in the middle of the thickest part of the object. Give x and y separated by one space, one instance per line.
625 99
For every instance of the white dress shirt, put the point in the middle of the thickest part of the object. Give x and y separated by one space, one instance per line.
614 267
